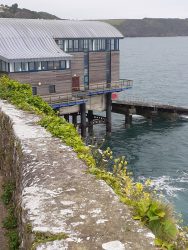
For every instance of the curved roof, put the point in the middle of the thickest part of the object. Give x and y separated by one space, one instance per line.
23 39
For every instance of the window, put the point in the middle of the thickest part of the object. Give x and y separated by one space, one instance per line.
116 44
112 44
24 66
11 67
90 45
66 45
86 79
50 65
17 67
44 65
62 64
70 45
81 45
95 45
52 89
34 90
86 60
67 64
31 66
38 65
108 44
103 47
56 65
75 45
85 44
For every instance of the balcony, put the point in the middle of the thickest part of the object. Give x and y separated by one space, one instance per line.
103 88
79 96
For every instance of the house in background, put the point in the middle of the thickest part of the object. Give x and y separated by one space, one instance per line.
74 65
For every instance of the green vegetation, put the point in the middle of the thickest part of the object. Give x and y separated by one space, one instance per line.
46 237
146 206
7 194
10 222
15 12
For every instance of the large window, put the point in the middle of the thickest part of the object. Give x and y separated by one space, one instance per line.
50 65
76 47
4 67
70 45
56 65
24 66
31 66
38 66
17 66
63 64
44 65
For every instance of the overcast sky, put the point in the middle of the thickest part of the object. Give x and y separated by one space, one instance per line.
99 9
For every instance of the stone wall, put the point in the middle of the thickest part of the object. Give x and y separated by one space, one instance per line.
54 194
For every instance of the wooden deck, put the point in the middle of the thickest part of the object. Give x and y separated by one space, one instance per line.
146 108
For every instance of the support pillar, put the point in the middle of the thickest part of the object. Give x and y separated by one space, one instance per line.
90 122
108 113
128 119
74 119
66 116
83 119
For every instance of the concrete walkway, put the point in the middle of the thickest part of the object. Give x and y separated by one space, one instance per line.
59 196
3 239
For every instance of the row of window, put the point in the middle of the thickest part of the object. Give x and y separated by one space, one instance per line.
75 45
34 66
40 66
50 87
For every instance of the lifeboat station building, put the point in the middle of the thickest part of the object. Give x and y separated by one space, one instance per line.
73 65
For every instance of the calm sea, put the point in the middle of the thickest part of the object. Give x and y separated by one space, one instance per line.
157 150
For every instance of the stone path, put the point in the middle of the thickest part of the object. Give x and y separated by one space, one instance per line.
3 240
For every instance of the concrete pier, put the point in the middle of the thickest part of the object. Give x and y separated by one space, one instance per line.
74 119
90 122
83 119
108 113
66 116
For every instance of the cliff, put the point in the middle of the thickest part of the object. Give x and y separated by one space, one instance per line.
151 27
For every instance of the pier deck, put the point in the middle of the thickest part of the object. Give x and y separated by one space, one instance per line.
147 109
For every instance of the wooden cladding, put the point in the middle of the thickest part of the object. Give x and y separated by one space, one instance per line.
77 66
97 67
115 66
61 79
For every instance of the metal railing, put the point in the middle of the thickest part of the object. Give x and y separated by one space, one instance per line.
120 84
64 98
80 94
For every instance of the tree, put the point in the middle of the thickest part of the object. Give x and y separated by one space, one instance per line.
14 8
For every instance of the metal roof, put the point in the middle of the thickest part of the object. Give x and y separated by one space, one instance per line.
23 39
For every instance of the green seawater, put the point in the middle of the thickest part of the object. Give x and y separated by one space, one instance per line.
157 149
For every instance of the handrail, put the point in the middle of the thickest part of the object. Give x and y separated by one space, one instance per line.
76 96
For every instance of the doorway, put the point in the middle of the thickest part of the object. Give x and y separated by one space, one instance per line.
75 83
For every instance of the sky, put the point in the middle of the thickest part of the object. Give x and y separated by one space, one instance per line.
107 9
